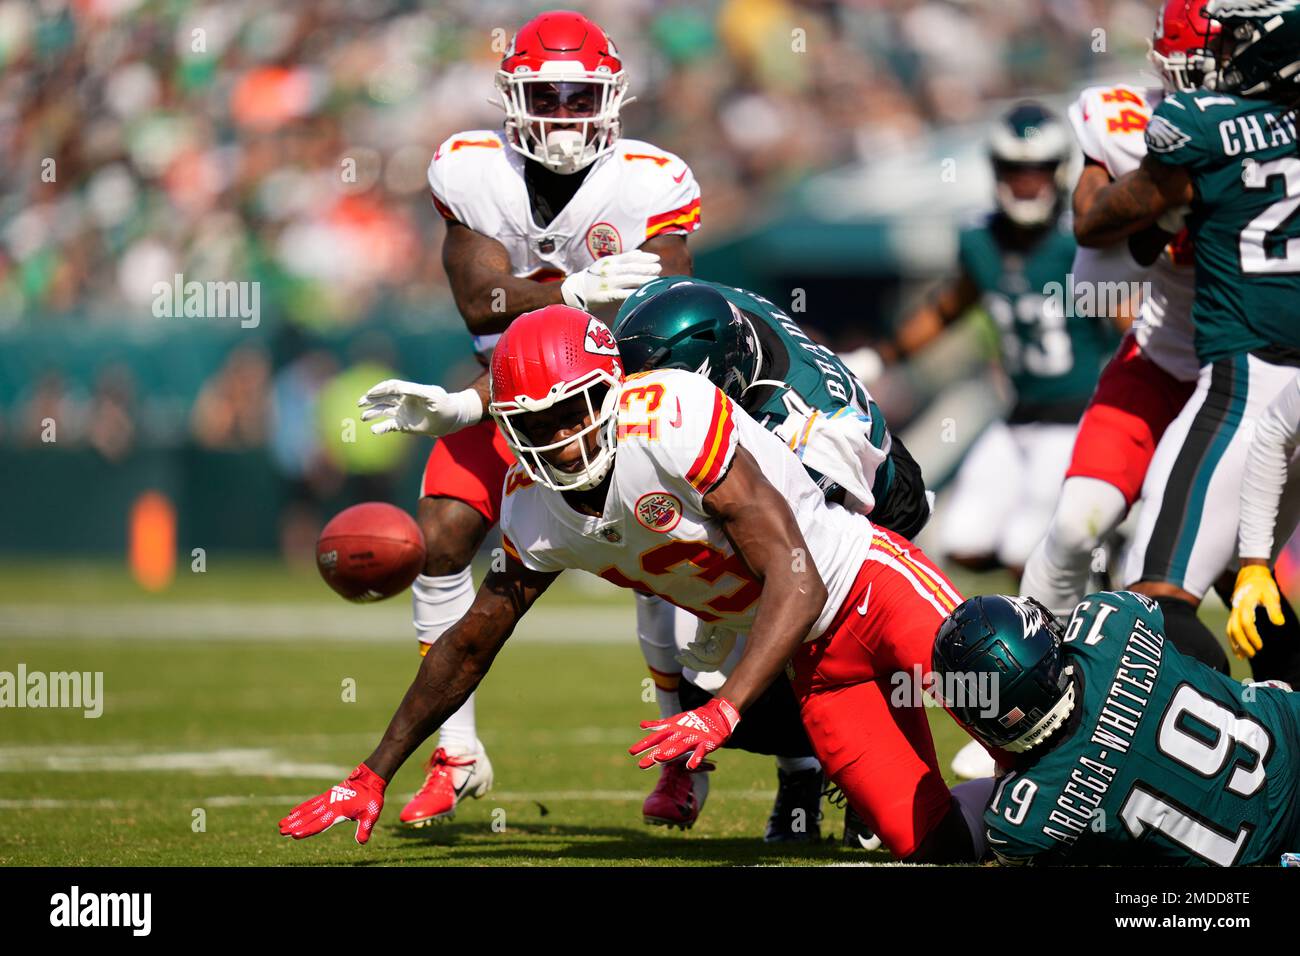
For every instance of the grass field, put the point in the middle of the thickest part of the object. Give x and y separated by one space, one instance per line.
226 695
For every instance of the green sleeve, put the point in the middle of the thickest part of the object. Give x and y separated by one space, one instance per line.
1174 134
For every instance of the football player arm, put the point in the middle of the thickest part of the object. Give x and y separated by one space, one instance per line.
1132 203
487 294
1277 433
457 661
674 255
763 530
1144 245
944 306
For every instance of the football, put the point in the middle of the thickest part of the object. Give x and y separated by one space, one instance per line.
370 551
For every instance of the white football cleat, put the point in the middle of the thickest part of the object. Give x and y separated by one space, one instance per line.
449 779
973 762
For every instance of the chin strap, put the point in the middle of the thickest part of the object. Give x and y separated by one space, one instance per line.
1048 724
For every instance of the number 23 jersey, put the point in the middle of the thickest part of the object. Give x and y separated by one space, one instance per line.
1166 761
677 438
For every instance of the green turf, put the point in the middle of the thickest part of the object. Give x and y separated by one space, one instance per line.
243 717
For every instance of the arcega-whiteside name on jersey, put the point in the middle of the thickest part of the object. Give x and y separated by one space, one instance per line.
1110 124
677 436
633 193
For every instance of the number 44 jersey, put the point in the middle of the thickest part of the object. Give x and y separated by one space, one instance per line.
1163 761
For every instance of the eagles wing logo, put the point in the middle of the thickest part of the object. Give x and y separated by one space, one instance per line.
1030 618
600 339
1164 137
658 511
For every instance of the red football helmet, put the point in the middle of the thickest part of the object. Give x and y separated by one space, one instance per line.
1180 47
562 84
544 358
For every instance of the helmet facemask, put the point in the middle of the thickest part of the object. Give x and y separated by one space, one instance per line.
1182 71
1031 138
1029 211
600 391
562 116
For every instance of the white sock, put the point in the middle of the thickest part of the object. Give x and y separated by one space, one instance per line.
669 701
797 764
656 632
973 796
1057 571
438 603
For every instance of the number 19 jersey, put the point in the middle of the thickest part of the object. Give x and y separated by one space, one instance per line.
1166 761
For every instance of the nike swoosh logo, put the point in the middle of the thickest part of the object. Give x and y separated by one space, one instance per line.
461 789
677 422
680 176
862 608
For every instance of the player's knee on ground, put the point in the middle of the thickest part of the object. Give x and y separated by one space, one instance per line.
453 533
1184 628
949 841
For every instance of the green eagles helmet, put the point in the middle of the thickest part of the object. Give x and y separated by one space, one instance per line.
690 326
1030 137
1014 645
1261 46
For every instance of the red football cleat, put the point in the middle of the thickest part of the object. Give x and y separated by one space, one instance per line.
678 797
449 779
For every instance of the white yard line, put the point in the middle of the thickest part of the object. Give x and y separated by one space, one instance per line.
600 624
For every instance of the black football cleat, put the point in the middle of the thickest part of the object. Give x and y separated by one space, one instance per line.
797 813
857 833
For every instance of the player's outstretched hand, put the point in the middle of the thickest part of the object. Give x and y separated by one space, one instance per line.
610 279
1255 586
360 797
426 409
698 732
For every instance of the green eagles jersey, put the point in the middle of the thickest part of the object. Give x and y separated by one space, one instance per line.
796 375
1163 760
1242 158
1052 358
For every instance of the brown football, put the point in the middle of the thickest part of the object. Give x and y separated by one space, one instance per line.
370 551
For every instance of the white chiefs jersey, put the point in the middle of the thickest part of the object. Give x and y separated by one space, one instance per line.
1110 123
633 193
677 436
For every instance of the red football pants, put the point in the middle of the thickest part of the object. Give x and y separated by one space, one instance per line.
855 689
470 466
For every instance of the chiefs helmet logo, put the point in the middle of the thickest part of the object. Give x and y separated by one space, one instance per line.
658 511
600 339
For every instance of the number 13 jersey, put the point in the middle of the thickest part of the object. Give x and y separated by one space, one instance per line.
677 438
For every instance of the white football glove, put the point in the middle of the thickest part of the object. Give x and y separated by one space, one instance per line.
427 409
710 648
609 279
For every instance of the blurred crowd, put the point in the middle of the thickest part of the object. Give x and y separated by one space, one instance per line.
287 143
